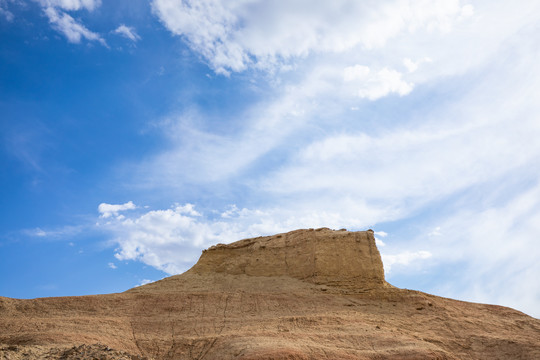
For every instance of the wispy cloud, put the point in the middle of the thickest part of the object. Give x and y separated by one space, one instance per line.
71 5
63 232
127 32
4 11
73 30
492 247
235 35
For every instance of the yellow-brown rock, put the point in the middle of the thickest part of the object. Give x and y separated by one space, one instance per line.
322 256
307 294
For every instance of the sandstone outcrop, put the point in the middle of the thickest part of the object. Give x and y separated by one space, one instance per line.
336 258
306 294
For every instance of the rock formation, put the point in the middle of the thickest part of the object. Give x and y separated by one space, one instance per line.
336 258
306 294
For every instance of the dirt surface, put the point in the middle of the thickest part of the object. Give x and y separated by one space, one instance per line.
307 294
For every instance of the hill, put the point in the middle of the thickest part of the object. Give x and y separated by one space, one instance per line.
306 294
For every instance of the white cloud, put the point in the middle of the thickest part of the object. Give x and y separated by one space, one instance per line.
378 241
64 23
71 5
144 282
188 209
72 30
404 259
108 210
233 35
127 32
203 157
410 163
112 265
375 85
40 233
318 93
169 240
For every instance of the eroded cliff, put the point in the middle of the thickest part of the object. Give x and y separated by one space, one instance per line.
322 256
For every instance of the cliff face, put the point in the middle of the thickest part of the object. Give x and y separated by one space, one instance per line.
306 294
322 256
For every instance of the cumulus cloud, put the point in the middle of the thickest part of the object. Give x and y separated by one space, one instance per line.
108 210
127 32
170 239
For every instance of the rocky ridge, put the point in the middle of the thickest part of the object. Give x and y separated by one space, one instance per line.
306 294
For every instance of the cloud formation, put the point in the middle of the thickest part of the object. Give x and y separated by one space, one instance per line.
127 32
233 36
72 29
375 85
404 258
71 5
57 13
170 239
108 210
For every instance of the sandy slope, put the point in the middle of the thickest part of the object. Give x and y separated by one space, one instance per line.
278 297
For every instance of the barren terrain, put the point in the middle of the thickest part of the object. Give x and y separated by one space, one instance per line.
306 294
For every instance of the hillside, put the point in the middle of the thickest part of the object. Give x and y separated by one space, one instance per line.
306 294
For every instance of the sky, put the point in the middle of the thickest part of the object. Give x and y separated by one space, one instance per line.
134 134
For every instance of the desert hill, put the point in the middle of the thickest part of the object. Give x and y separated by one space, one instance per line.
306 294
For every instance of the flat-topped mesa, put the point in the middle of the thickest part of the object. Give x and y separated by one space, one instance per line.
322 256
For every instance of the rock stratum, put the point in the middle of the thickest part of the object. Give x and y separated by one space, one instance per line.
306 294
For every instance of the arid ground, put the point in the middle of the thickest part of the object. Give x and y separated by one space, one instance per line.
306 294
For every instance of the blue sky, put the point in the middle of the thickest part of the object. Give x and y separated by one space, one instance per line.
134 134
